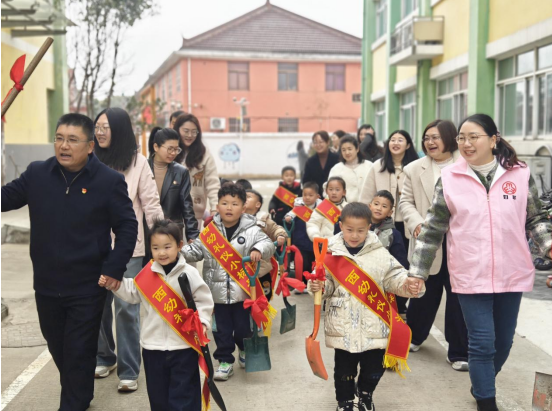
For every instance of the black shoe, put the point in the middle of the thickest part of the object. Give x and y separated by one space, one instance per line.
365 403
345 406
488 404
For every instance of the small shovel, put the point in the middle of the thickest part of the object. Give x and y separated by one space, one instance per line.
257 356
289 314
312 346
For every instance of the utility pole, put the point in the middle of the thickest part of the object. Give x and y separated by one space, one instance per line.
242 103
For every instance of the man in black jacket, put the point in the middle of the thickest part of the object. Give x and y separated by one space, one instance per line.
74 202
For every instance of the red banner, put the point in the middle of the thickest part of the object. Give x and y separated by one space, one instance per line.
172 308
285 196
361 285
303 212
16 75
329 210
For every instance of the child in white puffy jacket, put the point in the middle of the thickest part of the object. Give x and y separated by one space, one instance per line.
319 225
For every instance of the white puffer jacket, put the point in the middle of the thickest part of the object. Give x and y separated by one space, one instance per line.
320 226
348 324
155 333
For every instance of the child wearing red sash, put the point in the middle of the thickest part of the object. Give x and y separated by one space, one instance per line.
355 331
301 213
282 200
171 365
323 222
275 232
233 235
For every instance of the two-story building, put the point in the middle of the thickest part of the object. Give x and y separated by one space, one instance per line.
296 75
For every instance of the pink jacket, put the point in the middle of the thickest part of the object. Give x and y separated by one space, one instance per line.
486 243
142 190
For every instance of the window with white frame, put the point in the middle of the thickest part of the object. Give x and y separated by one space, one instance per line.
287 76
169 83
452 98
381 18
177 78
524 83
408 113
408 7
380 120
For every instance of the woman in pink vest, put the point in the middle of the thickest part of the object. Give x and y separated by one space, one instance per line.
486 203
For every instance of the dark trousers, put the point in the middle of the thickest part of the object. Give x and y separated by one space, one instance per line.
70 326
422 311
233 326
346 369
401 301
308 261
172 378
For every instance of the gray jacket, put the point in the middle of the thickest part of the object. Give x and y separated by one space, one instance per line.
224 289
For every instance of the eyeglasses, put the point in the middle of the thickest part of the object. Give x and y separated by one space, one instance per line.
72 141
433 138
471 137
173 150
102 129
193 133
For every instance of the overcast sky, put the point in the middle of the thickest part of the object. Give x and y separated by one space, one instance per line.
153 39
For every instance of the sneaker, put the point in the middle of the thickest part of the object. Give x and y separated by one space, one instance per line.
459 365
365 403
345 406
414 347
225 371
127 385
241 358
103 371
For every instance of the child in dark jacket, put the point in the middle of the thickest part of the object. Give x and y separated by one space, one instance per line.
278 208
382 225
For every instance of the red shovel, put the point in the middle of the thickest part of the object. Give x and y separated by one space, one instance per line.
313 347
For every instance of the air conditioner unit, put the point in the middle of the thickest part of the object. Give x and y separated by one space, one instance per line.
218 123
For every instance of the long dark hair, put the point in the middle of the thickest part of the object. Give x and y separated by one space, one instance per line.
372 149
159 136
351 140
123 147
409 155
195 153
506 154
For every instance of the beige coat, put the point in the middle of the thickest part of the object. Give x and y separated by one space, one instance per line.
416 198
205 185
377 181
355 178
143 192
320 226
348 324
273 231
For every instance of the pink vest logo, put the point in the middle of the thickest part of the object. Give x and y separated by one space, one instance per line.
509 188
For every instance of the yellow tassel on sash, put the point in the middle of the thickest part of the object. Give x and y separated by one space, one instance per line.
270 313
395 364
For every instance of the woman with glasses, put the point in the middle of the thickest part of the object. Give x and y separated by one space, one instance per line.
487 203
115 146
172 180
439 143
200 164
319 165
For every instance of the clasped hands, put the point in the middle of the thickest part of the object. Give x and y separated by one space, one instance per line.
109 283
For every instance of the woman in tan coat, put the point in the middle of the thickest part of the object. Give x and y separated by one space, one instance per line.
116 147
200 163
439 143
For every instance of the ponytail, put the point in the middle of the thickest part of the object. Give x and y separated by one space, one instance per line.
159 136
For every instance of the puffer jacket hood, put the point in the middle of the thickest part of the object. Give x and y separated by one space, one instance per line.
348 324
248 237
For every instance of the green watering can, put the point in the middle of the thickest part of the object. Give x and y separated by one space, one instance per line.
257 356
289 314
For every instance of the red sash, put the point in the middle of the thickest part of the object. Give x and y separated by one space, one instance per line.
229 259
367 291
168 304
329 210
303 212
285 196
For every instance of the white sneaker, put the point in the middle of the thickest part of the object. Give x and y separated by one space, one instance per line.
241 358
225 371
103 371
459 365
414 347
127 385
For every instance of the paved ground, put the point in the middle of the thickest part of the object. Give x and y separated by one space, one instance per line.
290 385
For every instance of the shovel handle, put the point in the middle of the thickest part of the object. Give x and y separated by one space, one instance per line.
252 278
320 254
291 228
280 255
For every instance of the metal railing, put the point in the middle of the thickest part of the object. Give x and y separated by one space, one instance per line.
417 30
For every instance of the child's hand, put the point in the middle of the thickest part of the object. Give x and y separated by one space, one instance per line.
316 285
414 285
281 239
102 281
417 231
255 256
288 219
272 211
204 330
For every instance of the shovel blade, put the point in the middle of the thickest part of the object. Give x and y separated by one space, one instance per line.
542 394
315 358
257 356
289 316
